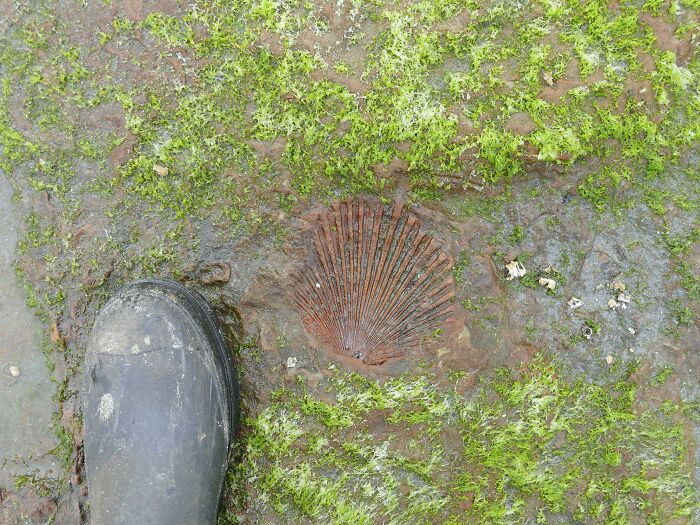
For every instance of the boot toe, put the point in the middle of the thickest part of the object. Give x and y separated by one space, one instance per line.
157 409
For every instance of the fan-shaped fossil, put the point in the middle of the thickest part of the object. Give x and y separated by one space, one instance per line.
377 286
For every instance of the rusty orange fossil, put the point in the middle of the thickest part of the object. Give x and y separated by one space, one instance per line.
377 285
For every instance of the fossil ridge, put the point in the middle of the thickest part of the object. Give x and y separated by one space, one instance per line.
377 286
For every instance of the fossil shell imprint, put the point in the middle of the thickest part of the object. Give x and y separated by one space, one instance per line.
377 286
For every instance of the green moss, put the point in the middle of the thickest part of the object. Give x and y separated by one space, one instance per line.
14 148
679 246
501 150
597 188
662 376
528 444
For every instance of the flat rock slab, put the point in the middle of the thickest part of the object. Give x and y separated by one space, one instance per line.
25 388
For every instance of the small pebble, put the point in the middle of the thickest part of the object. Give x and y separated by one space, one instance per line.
291 362
631 330
318 285
14 371
609 359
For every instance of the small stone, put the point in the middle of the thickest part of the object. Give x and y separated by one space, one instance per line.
515 270
160 170
631 350
550 284
14 371
291 362
609 359
612 304
575 302
318 285
631 331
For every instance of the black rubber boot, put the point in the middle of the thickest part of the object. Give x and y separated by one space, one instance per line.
161 408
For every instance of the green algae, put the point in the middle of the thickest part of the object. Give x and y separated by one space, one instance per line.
527 446
422 80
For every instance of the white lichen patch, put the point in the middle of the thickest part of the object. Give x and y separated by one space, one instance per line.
106 407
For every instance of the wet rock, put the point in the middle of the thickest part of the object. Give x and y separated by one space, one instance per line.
93 279
214 273
87 230
56 335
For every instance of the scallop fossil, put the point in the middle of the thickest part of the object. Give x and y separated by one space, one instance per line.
377 286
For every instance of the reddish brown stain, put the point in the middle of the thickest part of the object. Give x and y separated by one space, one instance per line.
377 286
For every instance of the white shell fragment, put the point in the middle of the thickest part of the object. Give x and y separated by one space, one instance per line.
587 331
575 302
515 270
291 362
548 283
632 330
609 359
14 371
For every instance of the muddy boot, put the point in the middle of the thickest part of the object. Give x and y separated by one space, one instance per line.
160 408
